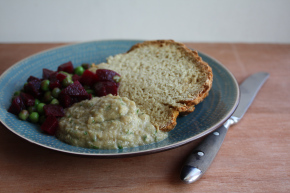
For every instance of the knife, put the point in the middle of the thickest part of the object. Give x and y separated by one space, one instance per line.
202 156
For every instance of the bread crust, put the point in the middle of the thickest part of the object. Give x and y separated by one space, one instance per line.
195 58
171 124
186 106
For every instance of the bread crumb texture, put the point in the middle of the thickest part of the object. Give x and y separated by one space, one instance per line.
163 78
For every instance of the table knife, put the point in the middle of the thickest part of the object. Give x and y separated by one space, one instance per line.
202 156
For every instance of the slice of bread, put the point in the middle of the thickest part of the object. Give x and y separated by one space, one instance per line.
164 78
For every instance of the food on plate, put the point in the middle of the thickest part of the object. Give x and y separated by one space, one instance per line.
131 100
108 122
42 101
164 78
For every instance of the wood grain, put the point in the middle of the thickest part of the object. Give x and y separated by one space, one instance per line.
255 155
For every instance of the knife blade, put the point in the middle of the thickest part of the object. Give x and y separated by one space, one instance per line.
202 156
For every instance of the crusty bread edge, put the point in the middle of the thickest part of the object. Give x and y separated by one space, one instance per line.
193 55
170 124
189 104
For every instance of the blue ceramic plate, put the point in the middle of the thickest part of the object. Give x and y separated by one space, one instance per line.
208 115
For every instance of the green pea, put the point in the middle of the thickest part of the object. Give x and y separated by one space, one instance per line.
67 81
31 109
34 117
36 102
79 70
45 85
47 97
23 115
39 108
54 102
55 92
86 66
17 93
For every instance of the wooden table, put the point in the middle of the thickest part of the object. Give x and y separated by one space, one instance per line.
255 156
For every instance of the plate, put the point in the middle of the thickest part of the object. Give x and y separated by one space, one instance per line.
208 115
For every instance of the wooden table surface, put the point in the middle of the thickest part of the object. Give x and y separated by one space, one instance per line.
255 156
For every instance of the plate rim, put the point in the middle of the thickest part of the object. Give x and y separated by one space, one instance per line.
137 153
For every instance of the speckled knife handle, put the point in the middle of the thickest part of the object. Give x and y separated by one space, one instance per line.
202 156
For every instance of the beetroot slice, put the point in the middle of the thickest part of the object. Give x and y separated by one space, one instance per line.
61 76
46 73
53 110
72 94
106 75
88 78
28 100
76 90
52 76
33 88
33 78
65 100
100 89
50 125
104 88
66 67
76 77
54 84
16 106
77 99
72 99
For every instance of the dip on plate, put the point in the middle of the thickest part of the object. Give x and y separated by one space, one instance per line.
108 122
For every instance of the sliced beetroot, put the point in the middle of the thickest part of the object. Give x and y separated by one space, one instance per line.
72 94
28 99
65 100
104 88
33 78
77 99
54 84
107 75
75 90
33 88
66 67
53 110
80 98
76 77
111 88
100 89
16 106
61 76
52 76
74 99
88 78
46 73
50 125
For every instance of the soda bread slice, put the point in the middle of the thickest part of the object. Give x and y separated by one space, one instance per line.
164 78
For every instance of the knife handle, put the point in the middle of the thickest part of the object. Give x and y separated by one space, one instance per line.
202 156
